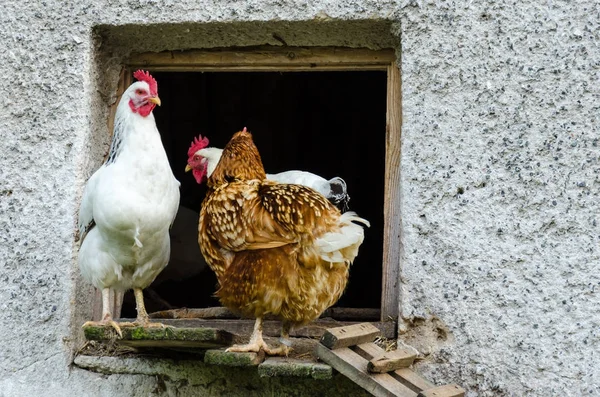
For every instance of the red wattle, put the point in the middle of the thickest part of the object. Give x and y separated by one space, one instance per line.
143 110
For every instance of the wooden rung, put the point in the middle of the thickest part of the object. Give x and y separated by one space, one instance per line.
411 379
391 361
382 361
443 391
353 366
335 338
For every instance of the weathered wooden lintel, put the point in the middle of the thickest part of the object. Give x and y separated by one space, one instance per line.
265 59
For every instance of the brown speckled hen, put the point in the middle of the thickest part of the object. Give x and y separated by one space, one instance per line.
278 249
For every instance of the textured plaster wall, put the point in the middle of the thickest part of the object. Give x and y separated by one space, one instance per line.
501 185
500 177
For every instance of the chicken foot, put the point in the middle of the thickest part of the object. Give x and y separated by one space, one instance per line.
107 319
257 343
142 320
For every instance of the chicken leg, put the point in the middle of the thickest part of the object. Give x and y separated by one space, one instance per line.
142 320
257 342
107 319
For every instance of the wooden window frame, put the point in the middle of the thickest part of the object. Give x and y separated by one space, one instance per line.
287 59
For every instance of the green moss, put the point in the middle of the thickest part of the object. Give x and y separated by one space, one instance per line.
138 333
98 333
140 336
231 359
297 368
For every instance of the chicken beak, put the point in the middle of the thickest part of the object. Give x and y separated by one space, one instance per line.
155 100
188 168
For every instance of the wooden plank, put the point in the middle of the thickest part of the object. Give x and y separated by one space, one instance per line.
335 338
266 68
265 58
443 391
392 360
208 312
381 361
368 350
315 329
162 337
392 243
354 367
352 314
411 379
335 313
97 305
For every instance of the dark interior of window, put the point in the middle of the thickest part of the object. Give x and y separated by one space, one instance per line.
328 123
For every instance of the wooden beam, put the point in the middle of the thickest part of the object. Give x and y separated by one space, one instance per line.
207 312
353 366
335 313
335 338
265 59
392 227
162 337
411 379
406 376
392 360
352 314
382 361
314 329
443 391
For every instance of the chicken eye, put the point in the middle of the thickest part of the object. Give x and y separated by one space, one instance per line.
139 92
196 158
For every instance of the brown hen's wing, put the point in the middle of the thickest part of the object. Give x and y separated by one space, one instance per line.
286 213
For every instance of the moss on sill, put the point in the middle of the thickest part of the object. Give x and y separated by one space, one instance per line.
162 337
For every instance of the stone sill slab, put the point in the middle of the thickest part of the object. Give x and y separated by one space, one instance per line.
186 369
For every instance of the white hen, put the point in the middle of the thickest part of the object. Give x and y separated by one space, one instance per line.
334 190
128 205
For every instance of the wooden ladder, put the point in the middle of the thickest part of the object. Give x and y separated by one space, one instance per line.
351 351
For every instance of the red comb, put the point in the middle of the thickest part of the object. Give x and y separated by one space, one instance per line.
197 144
145 76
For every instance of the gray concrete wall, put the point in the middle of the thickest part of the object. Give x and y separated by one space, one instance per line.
500 178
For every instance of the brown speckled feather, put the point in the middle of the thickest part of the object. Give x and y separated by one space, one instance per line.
260 239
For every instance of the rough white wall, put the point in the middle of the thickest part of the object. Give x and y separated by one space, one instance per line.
500 174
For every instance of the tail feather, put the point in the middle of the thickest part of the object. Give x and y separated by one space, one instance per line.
342 246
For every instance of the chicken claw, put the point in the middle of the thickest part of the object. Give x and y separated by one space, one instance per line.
104 323
257 346
257 343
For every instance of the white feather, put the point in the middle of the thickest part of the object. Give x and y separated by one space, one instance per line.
133 201
308 179
343 246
